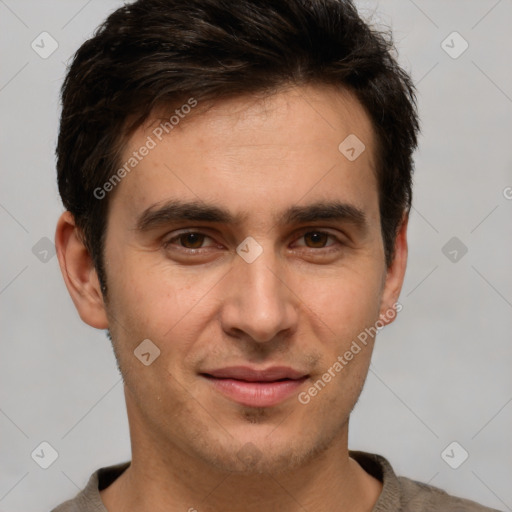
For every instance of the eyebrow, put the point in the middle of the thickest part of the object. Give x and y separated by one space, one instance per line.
197 211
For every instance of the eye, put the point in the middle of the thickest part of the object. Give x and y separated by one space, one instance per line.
317 239
189 240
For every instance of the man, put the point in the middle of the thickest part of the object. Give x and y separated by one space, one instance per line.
237 183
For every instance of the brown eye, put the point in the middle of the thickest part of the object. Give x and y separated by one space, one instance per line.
316 239
191 240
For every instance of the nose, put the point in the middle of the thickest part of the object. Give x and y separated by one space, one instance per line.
258 303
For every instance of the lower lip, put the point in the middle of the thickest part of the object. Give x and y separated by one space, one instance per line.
256 394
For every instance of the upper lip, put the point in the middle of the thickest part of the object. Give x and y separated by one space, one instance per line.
249 374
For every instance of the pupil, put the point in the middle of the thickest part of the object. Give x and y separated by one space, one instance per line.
317 238
193 239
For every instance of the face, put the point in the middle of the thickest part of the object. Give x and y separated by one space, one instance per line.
247 248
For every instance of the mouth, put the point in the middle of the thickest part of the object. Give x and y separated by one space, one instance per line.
256 388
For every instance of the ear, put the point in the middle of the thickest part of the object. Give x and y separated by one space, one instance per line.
79 273
389 306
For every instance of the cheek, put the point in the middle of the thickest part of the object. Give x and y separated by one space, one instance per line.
155 299
345 303
173 310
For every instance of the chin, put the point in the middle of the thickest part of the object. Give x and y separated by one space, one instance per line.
260 456
250 460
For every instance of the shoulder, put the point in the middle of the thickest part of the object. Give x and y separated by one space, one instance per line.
417 496
89 499
401 494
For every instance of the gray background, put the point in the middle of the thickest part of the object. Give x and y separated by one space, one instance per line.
441 372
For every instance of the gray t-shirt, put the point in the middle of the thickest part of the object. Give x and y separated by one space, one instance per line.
399 494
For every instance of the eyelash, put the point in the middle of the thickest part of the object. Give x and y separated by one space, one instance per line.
327 248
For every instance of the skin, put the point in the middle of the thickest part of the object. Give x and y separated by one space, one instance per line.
301 303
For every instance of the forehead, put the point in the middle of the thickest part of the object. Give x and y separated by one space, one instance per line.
251 152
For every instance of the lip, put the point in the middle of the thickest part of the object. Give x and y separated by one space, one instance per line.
256 388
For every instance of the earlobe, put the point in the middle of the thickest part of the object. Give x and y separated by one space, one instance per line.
79 273
395 276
